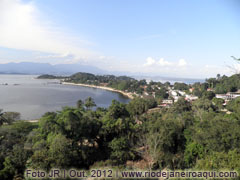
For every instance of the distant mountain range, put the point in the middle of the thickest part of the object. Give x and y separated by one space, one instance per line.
69 69
45 68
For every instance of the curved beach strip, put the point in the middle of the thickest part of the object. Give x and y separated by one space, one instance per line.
129 95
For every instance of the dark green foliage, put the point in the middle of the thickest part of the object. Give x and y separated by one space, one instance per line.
208 95
8 117
199 89
162 93
234 105
216 135
220 160
13 155
80 104
180 86
89 103
225 84
139 106
78 138
119 130
120 150
14 163
196 134
120 82
123 83
218 103
193 152
166 142
181 106
47 76
65 139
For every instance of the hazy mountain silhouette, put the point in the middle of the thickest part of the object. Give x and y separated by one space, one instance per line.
45 68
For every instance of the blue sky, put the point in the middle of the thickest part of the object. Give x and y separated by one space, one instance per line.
155 37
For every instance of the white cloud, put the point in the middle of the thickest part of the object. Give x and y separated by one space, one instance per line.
22 28
163 63
60 56
150 61
182 62
153 62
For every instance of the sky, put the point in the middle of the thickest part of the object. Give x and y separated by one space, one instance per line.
187 38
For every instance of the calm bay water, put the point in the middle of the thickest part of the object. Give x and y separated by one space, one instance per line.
33 97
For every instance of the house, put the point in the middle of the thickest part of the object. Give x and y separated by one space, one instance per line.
176 98
146 94
228 96
191 98
181 93
191 90
173 93
233 95
223 96
167 101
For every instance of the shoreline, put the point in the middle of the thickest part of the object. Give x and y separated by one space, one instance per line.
129 95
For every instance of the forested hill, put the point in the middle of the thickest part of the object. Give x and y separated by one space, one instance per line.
217 85
123 83
91 78
224 84
47 76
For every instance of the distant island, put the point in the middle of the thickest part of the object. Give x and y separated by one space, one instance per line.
47 76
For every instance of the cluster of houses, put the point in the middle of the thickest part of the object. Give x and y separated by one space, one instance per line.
175 95
228 96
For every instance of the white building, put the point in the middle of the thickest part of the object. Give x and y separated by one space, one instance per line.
228 96
223 96
233 95
167 101
191 97
182 93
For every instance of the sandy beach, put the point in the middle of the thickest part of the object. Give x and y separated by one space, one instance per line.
129 95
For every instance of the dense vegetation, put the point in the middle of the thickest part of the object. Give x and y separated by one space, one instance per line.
118 82
188 135
224 84
220 84
47 76
196 135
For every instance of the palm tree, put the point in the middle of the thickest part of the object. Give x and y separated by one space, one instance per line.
2 118
79 104
89 102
